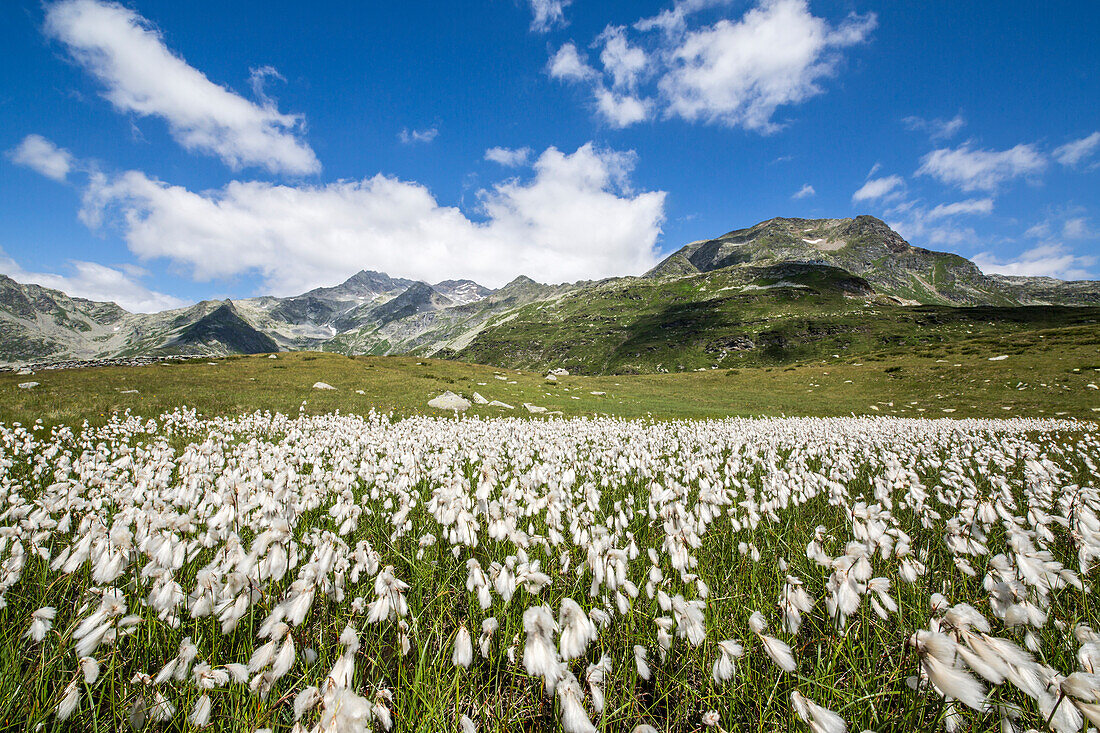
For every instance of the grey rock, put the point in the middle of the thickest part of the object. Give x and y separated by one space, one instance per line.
449 401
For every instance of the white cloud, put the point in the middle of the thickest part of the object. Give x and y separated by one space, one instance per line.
567 64
1077 228
674 19
96 282
621 110
409 137
1074 152
618 108
739 73
878 188
41 155
915 227
938 227
508 157
1046 260
574 218
805 192
257 79
546 14
1065 222
969 206
621 60
973 170
733 73
143 76
937 129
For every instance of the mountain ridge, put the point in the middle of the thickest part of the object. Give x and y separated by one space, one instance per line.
778 266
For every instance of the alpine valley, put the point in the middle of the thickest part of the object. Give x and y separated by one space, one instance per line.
782 291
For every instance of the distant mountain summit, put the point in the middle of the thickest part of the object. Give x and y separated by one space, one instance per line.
817 268
363 285
864 246
461 292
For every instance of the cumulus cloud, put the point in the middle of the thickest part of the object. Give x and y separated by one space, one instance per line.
575 217
547 14
623 61
508 157
805 192
1045 260
41 155
972 170
739 73
1072 153
408 137
969 206
735 73
141 75
878 188
96 282
617 106
621 110
568 65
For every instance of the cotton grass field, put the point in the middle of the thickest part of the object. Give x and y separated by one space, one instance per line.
351 573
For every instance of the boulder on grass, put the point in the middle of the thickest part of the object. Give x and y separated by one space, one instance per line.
449 401
322 385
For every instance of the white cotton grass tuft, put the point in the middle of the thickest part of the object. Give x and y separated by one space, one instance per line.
938 657
776 650
820 719
489 627
70 699
595 675
41 623
540 657
1083 689
577 630
574 719
463 654
200 713
641 664
725 665
305 701
89 668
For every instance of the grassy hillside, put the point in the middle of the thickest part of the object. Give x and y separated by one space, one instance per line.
738 317
1047 372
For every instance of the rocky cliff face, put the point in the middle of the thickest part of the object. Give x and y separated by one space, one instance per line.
372 312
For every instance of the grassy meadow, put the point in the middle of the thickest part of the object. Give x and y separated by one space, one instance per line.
1046 373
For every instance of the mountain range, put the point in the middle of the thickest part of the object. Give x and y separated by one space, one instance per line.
777 291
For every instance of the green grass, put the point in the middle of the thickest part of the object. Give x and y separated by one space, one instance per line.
1047 373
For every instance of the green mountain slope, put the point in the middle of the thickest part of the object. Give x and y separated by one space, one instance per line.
734 316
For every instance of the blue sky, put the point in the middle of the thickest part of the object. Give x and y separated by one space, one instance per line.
157 153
